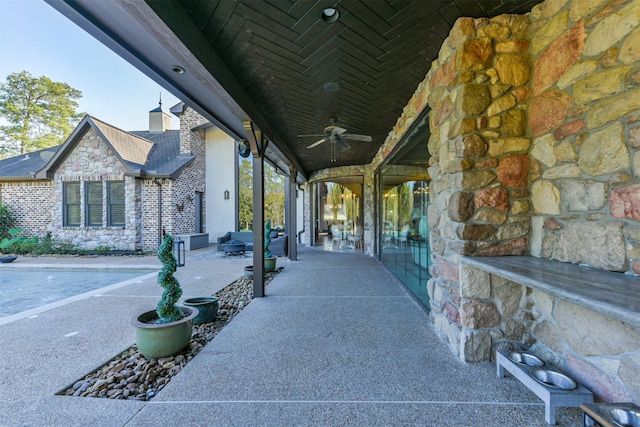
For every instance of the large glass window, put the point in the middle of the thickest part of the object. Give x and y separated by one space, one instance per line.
93 197
115 203
340 225
403 227
71 204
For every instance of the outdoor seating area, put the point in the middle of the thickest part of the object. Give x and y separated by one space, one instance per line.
342 239
279 242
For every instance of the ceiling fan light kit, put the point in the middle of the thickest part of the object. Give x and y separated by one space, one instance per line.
337 136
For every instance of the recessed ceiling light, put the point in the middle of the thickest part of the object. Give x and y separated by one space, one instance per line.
331 87
329 14
177 69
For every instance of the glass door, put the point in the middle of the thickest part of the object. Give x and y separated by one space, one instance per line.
403 199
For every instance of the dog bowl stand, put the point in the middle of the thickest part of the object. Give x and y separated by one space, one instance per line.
598 412
551 396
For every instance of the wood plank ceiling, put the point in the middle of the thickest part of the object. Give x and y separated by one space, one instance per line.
301 72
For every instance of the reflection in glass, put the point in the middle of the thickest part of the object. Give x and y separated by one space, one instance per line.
403 195
405 233
340 227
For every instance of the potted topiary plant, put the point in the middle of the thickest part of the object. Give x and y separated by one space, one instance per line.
167 329
269 260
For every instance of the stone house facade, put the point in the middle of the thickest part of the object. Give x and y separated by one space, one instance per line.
534 151
111 188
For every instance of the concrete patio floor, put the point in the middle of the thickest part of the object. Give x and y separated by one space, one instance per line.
336 341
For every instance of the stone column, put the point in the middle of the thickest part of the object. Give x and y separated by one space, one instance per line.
479 168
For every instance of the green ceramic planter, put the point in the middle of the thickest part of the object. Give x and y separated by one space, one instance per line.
156 340
270 264
207 308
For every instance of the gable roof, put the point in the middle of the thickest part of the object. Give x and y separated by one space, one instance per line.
25 166
141 153
129 147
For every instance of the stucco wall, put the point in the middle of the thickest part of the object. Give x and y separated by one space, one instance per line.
223 163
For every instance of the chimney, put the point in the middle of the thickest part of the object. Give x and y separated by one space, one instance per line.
159 121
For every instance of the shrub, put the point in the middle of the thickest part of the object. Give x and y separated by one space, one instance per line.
17 242
7 220
167 309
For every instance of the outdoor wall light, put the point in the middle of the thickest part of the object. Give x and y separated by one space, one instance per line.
179 248
329 14
226 194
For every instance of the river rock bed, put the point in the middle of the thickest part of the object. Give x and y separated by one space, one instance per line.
132 376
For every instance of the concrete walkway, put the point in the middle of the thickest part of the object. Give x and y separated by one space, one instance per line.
336 341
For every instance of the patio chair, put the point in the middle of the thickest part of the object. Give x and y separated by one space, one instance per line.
355 239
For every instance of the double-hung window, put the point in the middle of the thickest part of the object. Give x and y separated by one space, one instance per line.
93 203
96 208
71 204
115 203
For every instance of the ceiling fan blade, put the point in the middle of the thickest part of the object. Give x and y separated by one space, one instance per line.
354 137
338 130
315 144
342 143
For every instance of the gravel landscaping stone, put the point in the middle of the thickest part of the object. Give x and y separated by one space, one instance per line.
132 376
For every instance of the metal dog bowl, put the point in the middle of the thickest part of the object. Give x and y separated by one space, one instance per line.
553 379
625 417
525 358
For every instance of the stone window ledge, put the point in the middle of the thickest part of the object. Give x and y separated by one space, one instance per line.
615 295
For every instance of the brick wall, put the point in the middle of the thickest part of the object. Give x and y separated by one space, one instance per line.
32 203
178 196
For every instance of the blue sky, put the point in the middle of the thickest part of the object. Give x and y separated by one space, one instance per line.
36 38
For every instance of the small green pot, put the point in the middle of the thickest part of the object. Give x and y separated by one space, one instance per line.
157 340
270 264
207 308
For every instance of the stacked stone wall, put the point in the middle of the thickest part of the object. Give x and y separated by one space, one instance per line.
584 116
534 151
600 352
93 160
479 144
31 202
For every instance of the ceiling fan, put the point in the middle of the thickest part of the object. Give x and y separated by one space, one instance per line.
337 135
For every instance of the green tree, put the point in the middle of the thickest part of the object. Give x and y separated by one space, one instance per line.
405 203
7 220
40 113
273 195
245 194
